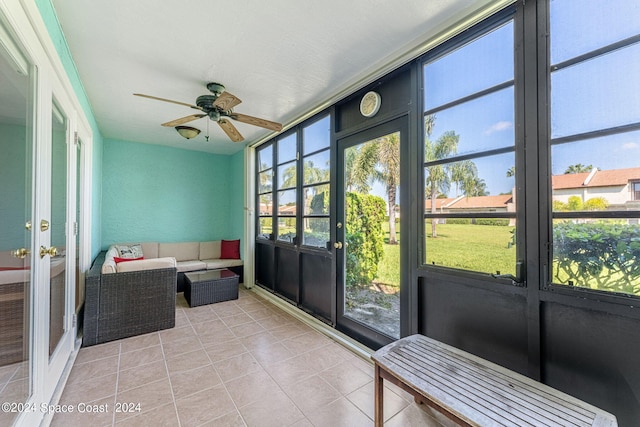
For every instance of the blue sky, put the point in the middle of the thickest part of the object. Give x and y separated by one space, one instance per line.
600 93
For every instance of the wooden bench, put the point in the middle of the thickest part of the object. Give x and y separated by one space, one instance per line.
474 392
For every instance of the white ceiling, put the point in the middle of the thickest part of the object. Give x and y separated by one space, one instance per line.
282 58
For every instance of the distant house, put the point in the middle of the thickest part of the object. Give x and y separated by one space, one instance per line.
619 187
464 204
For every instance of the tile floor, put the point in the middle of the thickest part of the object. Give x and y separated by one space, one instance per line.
236 363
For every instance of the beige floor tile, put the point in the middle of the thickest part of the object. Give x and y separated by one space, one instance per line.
204 406
306 342
274 353
97 413
149 397
163 416
141 375
237 363
231 419
345 378
188 361
216 336
237 319
340 413
93 369
247 329
262 339
225 349
190 382
419 416
140 342
311 394
100 351
274 409
363 399
250 388
140 357
89 390
176 333
199 314
237 366
209 326
180 346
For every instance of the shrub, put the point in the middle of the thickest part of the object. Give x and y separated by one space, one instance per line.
601 255
364 237
492 221
458 221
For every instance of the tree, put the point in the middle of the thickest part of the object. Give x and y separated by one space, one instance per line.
511 172
578 168
379 160
439 176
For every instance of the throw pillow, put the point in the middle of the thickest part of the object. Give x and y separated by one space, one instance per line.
230 249
118 260
129 251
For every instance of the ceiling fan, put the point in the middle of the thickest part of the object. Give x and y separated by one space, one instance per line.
218 107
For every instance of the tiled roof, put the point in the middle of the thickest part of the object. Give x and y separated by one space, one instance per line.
499 201
606 178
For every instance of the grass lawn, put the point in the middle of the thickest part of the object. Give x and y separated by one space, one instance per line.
466 246
472 247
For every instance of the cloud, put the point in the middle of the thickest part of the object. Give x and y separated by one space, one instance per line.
498 127
630 146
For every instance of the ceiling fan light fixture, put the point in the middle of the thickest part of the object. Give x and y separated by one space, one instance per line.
187 131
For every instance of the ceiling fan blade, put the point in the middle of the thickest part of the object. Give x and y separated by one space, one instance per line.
256 121
168 100
182 120
226 101
230 130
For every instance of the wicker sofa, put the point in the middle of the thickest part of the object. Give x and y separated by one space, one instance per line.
124 299
127 303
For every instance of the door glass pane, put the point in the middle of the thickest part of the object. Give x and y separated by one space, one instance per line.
58 228
371 250
16 139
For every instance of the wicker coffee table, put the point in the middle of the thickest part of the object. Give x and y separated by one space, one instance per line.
211 286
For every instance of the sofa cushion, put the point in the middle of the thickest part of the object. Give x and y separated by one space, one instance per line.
183 251
109 265
129 251
230 249
193 265
210 250
213 264
146 264
150 249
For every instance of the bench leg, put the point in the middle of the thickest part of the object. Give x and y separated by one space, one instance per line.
378 392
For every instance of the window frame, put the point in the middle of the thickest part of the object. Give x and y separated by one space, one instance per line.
509 14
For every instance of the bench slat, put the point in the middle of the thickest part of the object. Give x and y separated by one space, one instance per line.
477 392
493 387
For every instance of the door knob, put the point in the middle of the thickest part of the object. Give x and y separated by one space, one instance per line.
51 251
337 245
20 253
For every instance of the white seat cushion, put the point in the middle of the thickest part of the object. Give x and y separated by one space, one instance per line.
191 266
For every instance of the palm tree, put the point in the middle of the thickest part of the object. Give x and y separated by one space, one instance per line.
379 160
438 176
578 168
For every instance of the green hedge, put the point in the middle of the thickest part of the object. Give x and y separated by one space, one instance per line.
602 255
364 237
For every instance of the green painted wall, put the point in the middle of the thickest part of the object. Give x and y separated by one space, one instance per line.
162 194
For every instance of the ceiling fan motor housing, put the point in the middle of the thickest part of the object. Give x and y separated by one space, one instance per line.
215 88
206 102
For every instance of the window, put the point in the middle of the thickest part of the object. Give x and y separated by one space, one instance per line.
595 145
469 155
316 166
287 176
265 192
635 190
